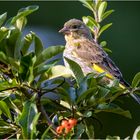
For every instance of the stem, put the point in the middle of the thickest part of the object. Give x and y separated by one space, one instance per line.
96 29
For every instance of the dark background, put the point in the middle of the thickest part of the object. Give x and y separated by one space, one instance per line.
123 39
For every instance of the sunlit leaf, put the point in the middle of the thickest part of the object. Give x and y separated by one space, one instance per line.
5 109
104 28
28 119
3 18
136 135
23 12
59 70
136 80
3 33
87 4
106 14
48 53
76 69
28 39
101 10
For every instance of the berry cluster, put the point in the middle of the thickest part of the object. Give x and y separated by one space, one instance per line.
66 126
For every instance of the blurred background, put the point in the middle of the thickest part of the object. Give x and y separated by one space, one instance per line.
122 38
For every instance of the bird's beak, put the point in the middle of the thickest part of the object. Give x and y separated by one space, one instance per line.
64 30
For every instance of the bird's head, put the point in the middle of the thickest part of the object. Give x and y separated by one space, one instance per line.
76 29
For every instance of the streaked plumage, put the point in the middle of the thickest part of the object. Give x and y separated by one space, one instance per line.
81 48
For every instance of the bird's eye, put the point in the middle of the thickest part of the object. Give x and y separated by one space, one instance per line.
75 26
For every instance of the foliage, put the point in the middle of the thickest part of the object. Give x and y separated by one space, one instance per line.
37 94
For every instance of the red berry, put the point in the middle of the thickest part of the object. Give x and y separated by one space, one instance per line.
72 121
64 123
59 129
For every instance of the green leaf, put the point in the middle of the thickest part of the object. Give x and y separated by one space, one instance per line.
106 14
83 96
21 22
79 132
3 58
104 28
103 43
23 12
28 119
5 109
107 50
114 138
59 70
89 128
38 45
136 80
28 39
76 69
101 10
89 21
3 33
13 43
44 68
48 53
87 114
88 4
136 135
26 67
3 18
34 123
6 84
113 108
45 135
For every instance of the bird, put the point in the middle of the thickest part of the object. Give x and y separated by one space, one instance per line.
83 49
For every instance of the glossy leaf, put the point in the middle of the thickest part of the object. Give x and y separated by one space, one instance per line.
87 4
44 68
23 12
28 119
89 21
26 67
3 58
3 33
80 131
136 135
106 14
113 108
89 128
59 70
38 45
28 39
90 91
45 135
101 10
76 69
48 53
136 80
5 109
104 28
2 18
103 43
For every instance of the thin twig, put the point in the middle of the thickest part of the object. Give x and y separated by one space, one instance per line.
8 89
50 90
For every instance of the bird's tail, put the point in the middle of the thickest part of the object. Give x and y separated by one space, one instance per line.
134 96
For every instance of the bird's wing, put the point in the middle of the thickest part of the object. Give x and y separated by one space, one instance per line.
95 56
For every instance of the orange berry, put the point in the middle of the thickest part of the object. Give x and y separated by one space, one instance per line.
73 121
59 129
64 123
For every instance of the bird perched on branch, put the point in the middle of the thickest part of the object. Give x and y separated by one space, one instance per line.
81 48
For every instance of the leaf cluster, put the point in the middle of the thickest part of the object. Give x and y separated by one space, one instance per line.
36 93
